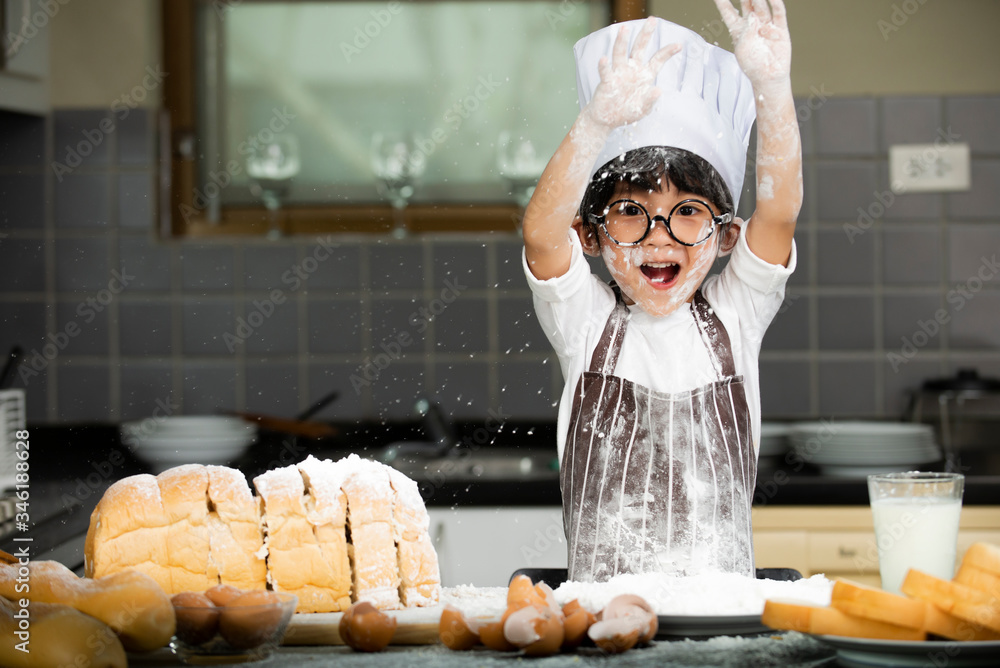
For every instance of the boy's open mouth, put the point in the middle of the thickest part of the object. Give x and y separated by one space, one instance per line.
660 273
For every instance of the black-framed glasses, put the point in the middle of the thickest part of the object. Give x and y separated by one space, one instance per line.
690 223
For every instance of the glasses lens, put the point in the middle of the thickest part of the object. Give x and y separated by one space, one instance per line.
691 221
626 221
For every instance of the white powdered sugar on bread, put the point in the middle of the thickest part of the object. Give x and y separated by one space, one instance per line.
420 581
330 532
369 513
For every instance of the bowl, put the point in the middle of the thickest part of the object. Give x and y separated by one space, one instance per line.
253 635
166 442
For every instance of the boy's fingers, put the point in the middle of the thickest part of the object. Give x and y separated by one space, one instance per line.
728 12
604 68
660 58
778 14
760 8
746 8
619 53
642 41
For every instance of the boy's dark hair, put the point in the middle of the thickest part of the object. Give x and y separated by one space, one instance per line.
642 169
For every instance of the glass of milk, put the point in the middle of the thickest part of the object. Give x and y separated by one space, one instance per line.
916 518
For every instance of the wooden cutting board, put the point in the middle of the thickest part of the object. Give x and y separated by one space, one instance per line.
414 626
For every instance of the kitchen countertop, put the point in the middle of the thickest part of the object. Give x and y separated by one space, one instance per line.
71 466
793 650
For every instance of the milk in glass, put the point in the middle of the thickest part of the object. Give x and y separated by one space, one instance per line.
915 532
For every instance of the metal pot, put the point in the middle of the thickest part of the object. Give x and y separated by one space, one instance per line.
957 398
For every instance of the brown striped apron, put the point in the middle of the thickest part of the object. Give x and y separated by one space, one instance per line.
655 481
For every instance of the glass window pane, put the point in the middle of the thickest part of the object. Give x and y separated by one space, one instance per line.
463 81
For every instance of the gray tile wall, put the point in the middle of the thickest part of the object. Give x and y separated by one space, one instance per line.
196 326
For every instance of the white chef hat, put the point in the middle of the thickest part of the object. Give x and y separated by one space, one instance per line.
707 105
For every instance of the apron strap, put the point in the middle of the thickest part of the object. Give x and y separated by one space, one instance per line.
715 335
605 356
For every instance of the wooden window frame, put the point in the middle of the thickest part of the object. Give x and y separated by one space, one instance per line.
178 128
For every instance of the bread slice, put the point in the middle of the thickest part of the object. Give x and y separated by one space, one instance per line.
326 511
369 515
236 539
983 556
419 573
831 621
128 529
946 625
977 578
295 561
877 605
954 598
184 492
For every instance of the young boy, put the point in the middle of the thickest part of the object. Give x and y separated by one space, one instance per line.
659 420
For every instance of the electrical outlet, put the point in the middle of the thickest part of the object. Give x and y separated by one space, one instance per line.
929 167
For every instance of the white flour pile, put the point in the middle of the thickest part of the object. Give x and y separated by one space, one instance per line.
706 594
722 594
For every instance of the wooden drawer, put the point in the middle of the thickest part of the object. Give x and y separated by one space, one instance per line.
781 549
843 552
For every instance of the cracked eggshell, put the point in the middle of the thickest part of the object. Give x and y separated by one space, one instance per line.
454 630
492 636
535 629
575 626
615 636
549 597
636 607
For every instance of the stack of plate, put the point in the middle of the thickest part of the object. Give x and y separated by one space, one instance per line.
773 439
165 442
856 449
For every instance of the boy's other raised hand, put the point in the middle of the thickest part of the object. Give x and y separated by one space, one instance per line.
760 39
628 91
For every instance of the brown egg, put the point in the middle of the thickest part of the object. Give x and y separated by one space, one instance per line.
366 628
250 619
535 629
223 594
454 631
575 626
615 635
492 636
632 606
197 617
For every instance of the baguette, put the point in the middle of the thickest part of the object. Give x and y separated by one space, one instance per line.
56 636
877 605
954 598
130 602
831 621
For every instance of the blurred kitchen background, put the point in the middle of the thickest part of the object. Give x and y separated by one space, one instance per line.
856 337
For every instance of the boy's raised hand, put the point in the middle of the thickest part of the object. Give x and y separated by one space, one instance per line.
628 91
760 39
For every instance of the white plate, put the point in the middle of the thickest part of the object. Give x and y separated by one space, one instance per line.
860 428
953 654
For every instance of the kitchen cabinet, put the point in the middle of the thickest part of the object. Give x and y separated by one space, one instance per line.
24 62
839 541
484 546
